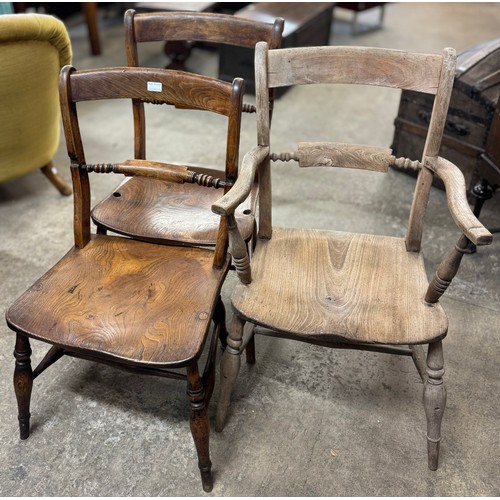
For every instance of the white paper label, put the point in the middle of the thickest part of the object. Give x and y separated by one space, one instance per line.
155 86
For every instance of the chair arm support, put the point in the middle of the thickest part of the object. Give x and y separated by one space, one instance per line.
243 185
460 210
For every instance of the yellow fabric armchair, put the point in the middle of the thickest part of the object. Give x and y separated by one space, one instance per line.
33 48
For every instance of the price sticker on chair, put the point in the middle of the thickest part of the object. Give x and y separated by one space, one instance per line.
155 86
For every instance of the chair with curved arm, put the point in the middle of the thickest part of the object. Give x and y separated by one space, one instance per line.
33 49
346 289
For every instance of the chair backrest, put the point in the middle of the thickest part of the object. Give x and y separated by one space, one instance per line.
183 90
33 49
429 73
195 27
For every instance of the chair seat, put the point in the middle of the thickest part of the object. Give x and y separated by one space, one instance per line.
164 212
126 300
340 287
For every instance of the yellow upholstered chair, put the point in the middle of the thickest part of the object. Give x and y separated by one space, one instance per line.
33 49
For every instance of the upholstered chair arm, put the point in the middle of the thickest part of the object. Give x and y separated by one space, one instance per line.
243 185
460 210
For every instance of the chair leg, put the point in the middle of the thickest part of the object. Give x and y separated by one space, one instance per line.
229 368
220 315
23 383
434 401
250 351
200 427
53 175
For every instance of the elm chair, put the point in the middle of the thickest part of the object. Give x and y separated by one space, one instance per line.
33 49
342 289
134 304
184 215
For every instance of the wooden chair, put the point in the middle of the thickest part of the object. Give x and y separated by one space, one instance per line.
184 216
341 289
120 301
33 49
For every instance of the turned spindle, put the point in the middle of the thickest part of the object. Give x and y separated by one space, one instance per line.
238 251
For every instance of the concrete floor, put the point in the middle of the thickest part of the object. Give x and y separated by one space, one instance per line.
305 421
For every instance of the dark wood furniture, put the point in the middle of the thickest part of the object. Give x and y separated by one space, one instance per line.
342 289
472 130
183 215
358 7
144 307
306 24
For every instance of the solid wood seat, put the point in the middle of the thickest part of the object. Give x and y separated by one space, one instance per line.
163 212
347 290
120 299
351 284
178 213
131 304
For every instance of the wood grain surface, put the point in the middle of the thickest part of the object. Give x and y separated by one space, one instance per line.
164 212
128 300
331 285
359 65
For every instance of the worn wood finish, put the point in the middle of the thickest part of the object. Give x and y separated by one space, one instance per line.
202 27
341 289
23 383
434 401
431 149
458 205
229 368
165 213
359 65
171 218
127 303
160 211
125 299
340 274
200 427
177 88
335 154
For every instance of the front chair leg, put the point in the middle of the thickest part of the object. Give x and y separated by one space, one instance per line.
434 401
229 368
23 383
200 427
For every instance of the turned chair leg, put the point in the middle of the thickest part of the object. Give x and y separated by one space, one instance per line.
200 427
434 401
55 178
250 351
229 368
23 383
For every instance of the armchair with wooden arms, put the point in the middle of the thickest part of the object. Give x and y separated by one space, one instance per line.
344 289
182 206
137 305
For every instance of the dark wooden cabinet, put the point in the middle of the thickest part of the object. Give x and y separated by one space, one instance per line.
306 24
472 133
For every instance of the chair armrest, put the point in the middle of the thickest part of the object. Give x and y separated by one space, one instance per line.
243 185
460 210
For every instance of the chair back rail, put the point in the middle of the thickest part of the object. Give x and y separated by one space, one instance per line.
184 90
191 26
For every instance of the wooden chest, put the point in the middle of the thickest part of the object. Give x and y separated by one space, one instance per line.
472 133
306 24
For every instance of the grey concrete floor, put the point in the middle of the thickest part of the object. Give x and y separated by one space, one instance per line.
305 420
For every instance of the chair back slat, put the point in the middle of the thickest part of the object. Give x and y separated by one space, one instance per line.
355 65
152 85
184 90
204 27
427 73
